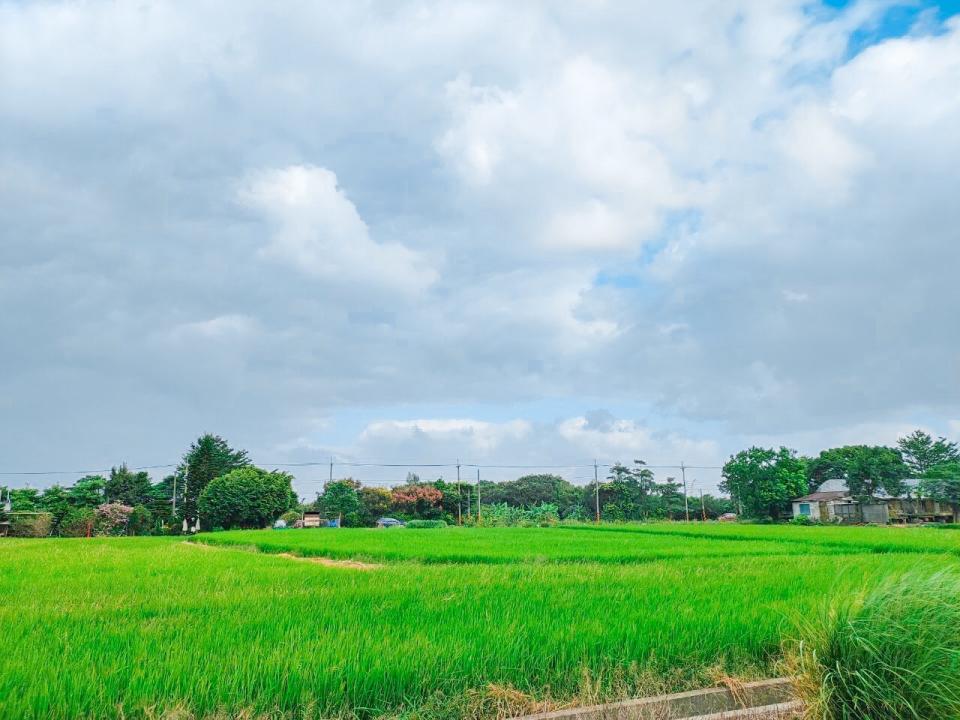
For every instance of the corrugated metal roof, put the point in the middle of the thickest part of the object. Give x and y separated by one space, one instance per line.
824 496
838 486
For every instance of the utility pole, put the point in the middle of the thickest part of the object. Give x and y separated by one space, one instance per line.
174 513
331 469
185 523
686 505
459 499
478 496
596 487
703 508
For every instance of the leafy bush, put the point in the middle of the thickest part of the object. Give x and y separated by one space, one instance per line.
30 524
426 524
890 654
802 520
141 521
290 517
77 522
503 515
246 498
112 519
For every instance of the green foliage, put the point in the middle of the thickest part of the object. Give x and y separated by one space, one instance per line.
290 517
942 482
87 492
141 521
208 458
426 524
77 522
762 481
872 469
127 487
890 654
247 497
30 524
503 515
25 500
531 490
922 453
56 501
867 470
340 499
375 503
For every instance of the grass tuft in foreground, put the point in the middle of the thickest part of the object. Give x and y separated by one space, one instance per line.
892 653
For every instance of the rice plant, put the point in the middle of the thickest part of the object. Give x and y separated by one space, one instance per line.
891 653
453 623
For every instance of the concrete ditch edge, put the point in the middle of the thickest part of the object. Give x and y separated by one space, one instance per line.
764 699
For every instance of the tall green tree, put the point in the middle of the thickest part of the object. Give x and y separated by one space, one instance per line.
872 469
247 497
208 458
762 481
942 483
531 490
921 452
340 498
87 492
127 487
866 469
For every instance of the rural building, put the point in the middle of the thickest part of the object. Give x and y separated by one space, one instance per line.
832 502
315 520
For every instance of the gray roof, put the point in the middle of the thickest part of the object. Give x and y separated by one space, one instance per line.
824 496
837 488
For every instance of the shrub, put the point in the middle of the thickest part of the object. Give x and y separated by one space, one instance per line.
246 498
141 521
290 517
426 524
503 515
30 524
889 654
112 519
802 520
77 522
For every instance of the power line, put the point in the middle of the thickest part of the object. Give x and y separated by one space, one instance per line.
369 464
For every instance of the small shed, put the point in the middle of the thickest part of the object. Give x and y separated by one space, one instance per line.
313 519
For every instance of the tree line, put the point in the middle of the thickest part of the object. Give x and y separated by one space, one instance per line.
627 493
215 486
761 482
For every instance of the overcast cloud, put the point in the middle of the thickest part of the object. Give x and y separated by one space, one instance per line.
532 233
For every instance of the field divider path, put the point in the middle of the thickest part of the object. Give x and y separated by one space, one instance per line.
315 559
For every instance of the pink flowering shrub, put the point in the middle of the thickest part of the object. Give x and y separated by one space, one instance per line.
112 518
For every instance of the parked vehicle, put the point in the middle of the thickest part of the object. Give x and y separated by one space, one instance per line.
386 522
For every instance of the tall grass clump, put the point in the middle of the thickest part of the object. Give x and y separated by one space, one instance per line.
891 653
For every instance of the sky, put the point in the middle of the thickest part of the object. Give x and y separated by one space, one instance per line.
538 234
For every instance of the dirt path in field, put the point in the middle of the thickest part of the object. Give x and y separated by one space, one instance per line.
325 561
330 562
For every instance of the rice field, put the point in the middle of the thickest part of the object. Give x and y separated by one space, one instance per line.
451 623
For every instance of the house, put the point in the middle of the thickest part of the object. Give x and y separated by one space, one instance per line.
832 502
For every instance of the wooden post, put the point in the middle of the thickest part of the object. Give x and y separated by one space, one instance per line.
596 487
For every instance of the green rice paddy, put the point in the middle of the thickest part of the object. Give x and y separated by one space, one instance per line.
452 623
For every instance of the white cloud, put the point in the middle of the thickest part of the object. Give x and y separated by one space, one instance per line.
477 435
706 209
317 230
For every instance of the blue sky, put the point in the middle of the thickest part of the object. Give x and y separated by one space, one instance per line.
506 233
